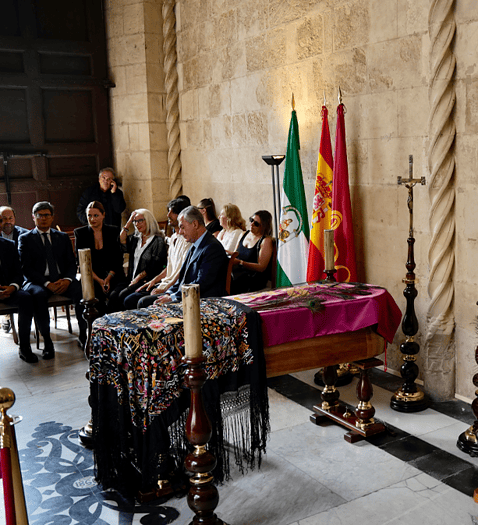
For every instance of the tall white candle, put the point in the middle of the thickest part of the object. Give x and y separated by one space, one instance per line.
192 320
329 249
84 256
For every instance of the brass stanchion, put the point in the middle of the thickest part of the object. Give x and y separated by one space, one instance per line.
15 508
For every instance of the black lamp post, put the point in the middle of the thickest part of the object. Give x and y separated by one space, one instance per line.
275 160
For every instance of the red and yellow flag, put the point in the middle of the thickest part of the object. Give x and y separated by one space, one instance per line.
341 223
322 207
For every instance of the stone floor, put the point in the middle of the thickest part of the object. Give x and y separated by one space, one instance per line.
412 474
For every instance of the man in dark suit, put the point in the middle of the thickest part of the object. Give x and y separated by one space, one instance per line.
49 267
11 280
206 261
10 230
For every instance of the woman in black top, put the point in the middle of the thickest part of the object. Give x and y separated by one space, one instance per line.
106 255
208 211
147 255
252 267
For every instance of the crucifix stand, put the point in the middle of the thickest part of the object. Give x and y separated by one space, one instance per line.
409 398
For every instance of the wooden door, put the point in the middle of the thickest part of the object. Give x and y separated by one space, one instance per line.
54 121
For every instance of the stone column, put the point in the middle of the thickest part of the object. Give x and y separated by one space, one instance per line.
138 102
439 359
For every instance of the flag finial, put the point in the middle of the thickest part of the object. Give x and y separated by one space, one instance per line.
325 100
293 102
340 96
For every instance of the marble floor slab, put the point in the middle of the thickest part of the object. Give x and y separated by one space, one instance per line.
412 475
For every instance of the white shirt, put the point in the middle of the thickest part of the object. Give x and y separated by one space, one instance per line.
139 251
178 248
230 239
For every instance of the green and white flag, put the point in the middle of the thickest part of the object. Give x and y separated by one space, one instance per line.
293 242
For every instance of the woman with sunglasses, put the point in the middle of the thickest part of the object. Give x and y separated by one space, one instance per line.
233 227
106 254
252 266
208 211
147 255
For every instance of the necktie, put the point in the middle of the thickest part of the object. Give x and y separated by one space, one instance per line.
50 259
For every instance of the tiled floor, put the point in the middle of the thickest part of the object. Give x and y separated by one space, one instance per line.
412 474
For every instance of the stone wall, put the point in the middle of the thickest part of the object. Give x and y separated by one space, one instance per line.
137 106
241 60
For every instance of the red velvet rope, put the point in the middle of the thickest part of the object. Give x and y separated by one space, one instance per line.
8 496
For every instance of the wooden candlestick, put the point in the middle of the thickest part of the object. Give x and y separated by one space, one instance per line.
203 496
84 257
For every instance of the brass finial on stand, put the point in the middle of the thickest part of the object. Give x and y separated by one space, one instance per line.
409 398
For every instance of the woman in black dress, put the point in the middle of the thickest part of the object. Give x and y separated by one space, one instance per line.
106 254
147 255
208 211
252 266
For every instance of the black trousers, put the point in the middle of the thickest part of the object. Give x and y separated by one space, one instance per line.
41 294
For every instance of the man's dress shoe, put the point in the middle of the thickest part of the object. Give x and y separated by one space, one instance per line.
48 352
27 355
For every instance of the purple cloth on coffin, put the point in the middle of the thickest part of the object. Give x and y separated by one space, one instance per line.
312 310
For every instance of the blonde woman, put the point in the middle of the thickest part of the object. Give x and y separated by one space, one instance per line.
233 227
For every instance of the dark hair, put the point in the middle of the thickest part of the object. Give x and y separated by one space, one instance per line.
210 207
177 205
184 198
266 221
43 205
97 206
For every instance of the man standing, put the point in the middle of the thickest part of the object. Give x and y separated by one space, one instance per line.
49 267
108 193
178 248
9 229
206 261
11 279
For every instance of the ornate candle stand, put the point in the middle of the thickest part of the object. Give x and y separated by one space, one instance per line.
468 440
90 313
409 398
203 496
344 375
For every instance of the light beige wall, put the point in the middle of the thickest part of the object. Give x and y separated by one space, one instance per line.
138 116
239 63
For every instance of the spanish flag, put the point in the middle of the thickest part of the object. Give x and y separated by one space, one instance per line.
342 224
322 207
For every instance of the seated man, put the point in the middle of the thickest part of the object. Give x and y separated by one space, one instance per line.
206 261
12 232
178 248
11 279
9 229
49 266
107 192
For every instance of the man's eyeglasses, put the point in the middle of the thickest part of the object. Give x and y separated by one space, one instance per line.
254 222
43 215
138 220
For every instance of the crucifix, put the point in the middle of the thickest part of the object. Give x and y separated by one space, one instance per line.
409 398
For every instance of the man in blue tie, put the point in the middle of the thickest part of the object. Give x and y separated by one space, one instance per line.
49 266
206 262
